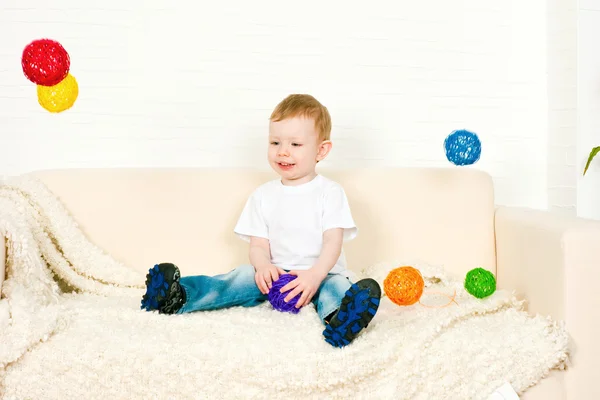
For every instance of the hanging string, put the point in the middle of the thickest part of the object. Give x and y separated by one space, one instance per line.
452 299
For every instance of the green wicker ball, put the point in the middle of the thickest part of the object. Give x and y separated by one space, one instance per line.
480 282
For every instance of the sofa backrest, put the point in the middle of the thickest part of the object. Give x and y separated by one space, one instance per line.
144 216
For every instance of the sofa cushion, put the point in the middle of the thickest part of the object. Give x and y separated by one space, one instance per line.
186 216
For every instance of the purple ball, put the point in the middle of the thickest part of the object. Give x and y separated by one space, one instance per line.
277 299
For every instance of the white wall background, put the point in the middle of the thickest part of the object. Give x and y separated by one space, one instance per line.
189 83
588 67
563 164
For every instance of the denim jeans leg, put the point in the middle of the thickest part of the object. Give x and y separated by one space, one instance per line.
330 294
235 288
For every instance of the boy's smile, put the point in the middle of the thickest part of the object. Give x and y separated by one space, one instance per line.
285 167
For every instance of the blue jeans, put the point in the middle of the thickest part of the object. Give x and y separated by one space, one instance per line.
238 288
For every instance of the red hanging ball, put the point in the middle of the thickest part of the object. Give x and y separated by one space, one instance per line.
45 62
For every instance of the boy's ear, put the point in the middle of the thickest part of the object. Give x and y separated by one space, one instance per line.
324 149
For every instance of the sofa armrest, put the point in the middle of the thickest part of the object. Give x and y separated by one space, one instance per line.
553 262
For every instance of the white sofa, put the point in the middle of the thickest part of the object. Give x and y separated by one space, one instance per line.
446 216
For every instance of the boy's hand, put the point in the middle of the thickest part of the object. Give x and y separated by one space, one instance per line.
265 276
307 283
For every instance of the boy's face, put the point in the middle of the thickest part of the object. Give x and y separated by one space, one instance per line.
294 149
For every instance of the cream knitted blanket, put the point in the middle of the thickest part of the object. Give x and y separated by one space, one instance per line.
70 327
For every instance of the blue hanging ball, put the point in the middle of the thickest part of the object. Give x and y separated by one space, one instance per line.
462 147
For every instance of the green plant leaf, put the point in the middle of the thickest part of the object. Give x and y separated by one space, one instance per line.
593 153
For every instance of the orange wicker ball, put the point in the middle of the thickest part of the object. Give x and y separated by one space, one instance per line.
404 285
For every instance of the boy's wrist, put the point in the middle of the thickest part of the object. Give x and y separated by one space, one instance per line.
263 266
320 270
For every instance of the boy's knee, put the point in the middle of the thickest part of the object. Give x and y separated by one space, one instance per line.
244 274
245 281
246 270
339 284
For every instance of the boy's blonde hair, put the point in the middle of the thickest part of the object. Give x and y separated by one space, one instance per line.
304 105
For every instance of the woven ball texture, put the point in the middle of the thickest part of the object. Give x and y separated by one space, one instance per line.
277 299
480 283
404 285
462 147
45 62
59 97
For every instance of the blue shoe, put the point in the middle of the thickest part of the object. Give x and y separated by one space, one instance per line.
358 308
163 292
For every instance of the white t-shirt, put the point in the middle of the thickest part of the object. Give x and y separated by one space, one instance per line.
293 219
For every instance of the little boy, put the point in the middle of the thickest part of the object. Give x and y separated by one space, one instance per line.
295 225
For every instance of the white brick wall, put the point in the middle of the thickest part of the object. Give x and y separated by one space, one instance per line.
562 105
588 66
184 83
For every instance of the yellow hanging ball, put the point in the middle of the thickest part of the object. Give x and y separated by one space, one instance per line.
404 285
59 97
